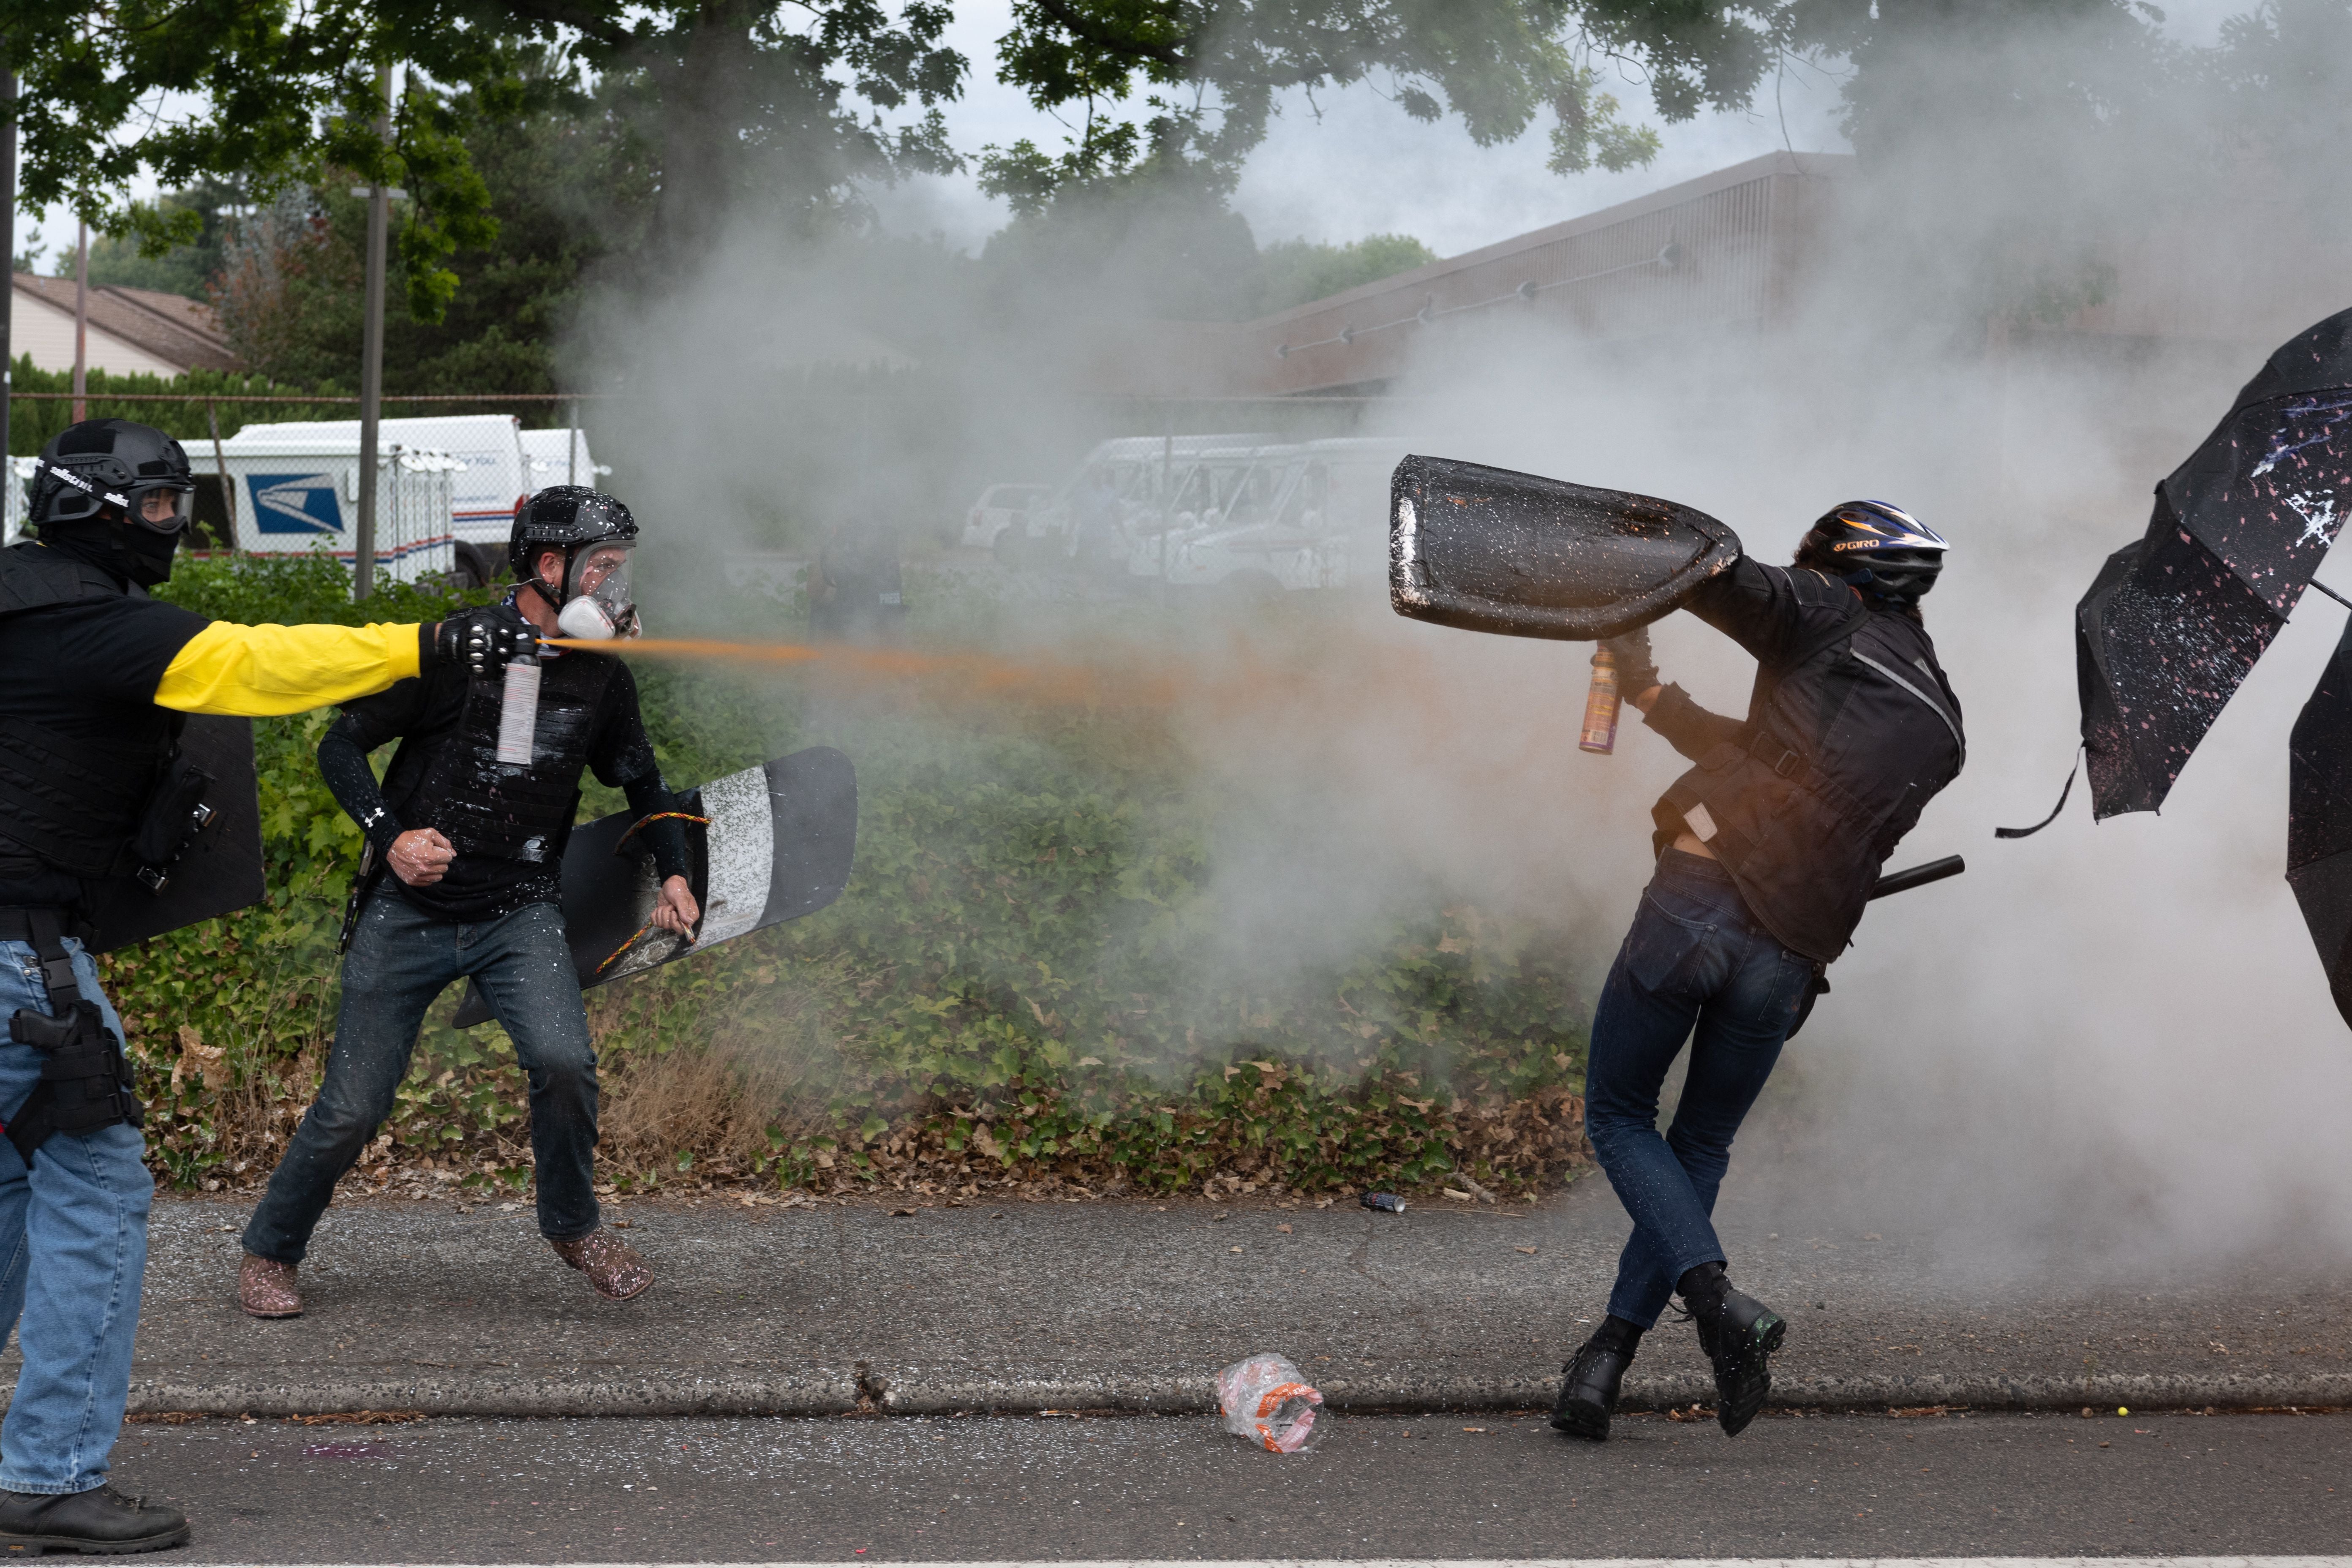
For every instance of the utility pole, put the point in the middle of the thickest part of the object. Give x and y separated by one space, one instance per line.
371 352
82 319
8 205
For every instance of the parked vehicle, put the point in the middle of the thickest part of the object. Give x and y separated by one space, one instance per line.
1138 473
296 488
999 508
559 457
1305 517
1234 482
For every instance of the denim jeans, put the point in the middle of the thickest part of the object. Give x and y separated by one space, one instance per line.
401 959
73 1247
1695 956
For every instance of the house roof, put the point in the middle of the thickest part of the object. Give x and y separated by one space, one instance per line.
172 327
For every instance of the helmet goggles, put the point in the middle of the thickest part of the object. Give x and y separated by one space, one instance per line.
164 505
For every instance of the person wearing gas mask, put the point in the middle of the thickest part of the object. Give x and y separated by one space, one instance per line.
1767 850
95 798
471 819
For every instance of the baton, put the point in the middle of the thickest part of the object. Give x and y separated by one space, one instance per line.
1918 876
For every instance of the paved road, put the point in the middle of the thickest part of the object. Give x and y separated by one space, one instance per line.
1131 1305
1452 1486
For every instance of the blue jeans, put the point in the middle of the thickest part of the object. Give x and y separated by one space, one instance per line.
401 959
1696 957
73 1247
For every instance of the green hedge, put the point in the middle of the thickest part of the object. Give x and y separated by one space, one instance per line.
1025 982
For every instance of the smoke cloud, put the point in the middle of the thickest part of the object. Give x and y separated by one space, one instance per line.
2100 1045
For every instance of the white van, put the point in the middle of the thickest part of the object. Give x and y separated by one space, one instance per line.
556 457
294 488
1310 516
1140 471
484 493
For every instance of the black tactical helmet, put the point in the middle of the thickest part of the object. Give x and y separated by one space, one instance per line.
1880 549
104 470
570 518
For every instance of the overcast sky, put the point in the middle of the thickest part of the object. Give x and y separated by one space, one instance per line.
1363 167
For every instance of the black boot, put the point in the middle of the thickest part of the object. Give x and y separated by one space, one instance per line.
1590 1382
99 1521
1739 1333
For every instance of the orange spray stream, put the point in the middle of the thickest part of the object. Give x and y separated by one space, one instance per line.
1047 680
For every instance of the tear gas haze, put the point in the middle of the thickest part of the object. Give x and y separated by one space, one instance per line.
2025 307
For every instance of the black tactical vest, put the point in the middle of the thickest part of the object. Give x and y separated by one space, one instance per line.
1844 746
75 804
504 811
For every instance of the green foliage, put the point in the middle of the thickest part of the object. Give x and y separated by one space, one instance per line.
737 99
1028 977
187 269
1299 270
1209 75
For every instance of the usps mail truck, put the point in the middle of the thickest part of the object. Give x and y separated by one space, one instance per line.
559 458
296 489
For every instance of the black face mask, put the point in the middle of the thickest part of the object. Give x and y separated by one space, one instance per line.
140 555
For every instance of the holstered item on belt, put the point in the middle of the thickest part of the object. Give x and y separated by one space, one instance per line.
363 880
86 1081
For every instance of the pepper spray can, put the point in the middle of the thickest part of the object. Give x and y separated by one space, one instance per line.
518 712
1599 733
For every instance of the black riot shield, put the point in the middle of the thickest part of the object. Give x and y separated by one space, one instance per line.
220 872
778 845
1489 549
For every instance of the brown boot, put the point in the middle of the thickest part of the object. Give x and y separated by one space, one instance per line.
614 1268
265 1288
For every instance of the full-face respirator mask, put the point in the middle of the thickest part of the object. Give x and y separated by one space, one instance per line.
596 604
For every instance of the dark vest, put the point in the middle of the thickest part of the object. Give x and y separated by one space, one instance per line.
75 804
1844 746
504 811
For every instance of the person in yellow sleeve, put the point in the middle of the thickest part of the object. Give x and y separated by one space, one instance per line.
97 672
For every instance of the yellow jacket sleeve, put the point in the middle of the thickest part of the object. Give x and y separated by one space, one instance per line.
258 672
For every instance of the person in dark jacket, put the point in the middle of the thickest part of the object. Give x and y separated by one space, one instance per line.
1767 849
471 819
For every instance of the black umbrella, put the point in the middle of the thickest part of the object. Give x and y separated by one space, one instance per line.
2319 820
2174 620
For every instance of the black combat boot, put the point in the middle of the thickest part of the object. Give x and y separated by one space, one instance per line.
1738 1334
1590 1382
99 1521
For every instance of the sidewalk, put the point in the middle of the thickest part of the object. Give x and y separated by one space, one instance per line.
1130 1306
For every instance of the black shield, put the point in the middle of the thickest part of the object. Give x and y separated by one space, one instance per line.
221 872
1489 550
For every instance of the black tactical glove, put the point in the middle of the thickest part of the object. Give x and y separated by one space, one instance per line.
1636 670
483 647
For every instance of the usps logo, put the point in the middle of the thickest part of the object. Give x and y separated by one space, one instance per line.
296 503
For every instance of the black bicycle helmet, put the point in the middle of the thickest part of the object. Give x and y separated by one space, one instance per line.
1880 549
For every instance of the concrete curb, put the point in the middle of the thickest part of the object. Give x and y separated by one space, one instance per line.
822 1392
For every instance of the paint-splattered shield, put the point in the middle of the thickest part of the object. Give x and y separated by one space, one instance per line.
778 845
1489 549
2319 820
2173 622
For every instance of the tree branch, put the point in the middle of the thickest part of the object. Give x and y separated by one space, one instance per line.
589 19
1080 25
